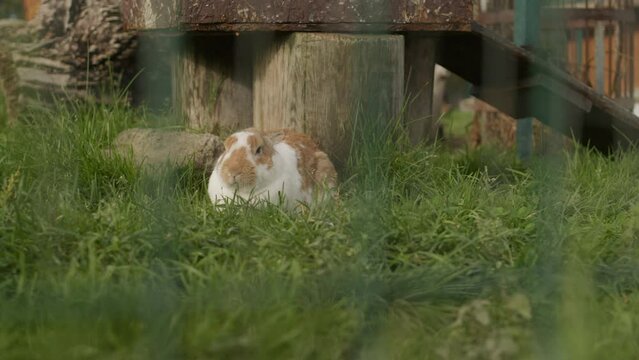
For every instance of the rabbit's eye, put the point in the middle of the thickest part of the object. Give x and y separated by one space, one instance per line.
258 150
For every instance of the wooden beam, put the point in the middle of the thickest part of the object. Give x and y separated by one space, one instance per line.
298 15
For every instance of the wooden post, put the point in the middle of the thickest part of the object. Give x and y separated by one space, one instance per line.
319 83
419 67
213 82
31 8
526 34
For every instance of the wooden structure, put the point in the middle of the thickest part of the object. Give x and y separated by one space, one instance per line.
71 49
561 101
314 64
592 40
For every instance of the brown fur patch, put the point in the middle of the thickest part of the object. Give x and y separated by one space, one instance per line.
230 141
253 141
237 169
265 157
325 173
313 164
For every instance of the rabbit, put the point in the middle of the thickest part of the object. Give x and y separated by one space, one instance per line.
272 165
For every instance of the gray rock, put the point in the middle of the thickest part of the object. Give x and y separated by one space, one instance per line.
154 148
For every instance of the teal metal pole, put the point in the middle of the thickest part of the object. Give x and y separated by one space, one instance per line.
600 56
527 14
579 44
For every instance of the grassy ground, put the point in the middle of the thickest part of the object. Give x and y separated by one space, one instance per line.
427 255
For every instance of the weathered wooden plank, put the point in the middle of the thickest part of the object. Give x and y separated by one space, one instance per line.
39 76
213 82
299 15
150 14
41 61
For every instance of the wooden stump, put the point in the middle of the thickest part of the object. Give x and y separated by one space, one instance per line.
419 77
319 83
213 82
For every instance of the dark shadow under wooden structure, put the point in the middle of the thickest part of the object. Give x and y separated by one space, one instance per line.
534 87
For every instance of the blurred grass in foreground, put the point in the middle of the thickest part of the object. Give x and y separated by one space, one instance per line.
428 254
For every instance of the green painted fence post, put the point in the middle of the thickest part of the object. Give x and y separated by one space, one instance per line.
527 35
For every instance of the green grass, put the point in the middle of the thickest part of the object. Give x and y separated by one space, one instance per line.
427 254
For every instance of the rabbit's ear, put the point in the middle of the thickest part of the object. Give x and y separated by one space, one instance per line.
229 142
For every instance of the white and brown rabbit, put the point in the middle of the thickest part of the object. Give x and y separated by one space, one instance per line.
272 165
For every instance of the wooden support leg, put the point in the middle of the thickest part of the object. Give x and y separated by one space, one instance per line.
213 83
419 69
319 83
